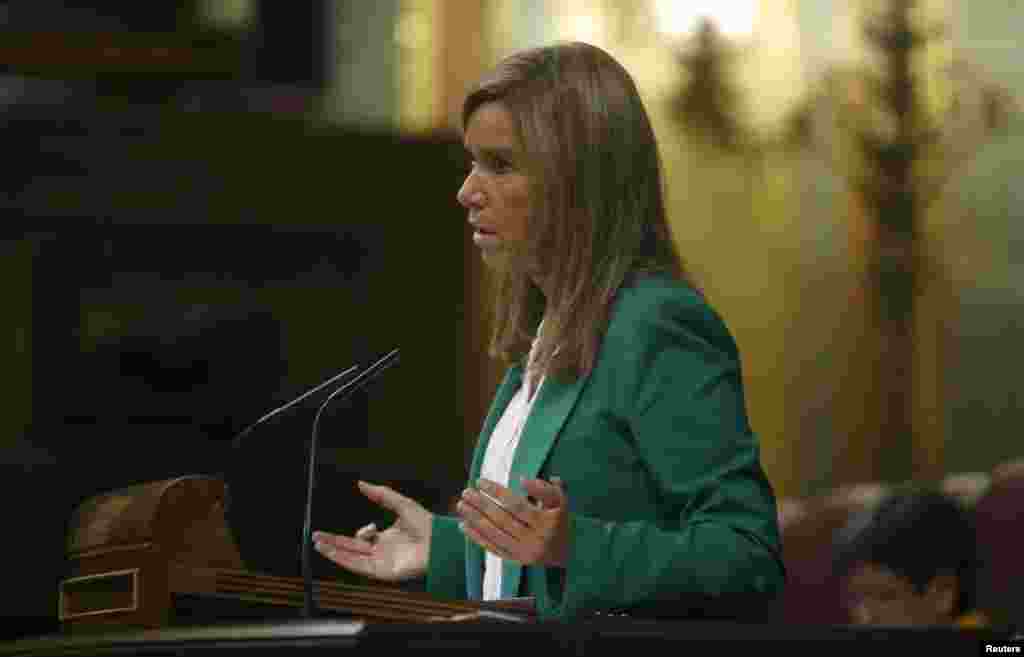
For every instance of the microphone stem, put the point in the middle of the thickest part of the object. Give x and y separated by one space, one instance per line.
309 605
367 375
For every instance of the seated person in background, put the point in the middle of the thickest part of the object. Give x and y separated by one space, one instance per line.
1008 470
911 560
791 511
966 487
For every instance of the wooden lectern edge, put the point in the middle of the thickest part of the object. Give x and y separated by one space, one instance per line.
174 533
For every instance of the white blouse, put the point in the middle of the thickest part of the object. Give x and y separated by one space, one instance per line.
498 462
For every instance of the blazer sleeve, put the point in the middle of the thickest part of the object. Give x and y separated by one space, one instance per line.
684 406
446 566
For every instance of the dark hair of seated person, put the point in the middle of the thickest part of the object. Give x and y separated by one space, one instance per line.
911 560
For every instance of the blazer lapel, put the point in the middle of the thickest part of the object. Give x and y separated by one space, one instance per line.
550 410
475 554
506 391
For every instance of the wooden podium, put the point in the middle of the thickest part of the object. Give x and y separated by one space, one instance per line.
148 556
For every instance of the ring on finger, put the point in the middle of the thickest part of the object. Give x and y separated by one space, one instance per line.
494 500
504 507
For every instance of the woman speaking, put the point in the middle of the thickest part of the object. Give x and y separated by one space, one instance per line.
616 469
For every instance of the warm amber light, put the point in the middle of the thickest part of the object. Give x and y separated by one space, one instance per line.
733 18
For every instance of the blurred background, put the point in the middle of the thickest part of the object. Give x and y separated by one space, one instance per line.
211 206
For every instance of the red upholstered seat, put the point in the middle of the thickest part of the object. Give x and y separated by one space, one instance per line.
999 519
813 594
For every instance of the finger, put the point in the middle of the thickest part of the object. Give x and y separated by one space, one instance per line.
511 540
357 563
503 498
324 537
478 537
368 533
480 505
498 503
335 542
386 497
550 494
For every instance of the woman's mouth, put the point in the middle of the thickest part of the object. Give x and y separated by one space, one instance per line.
485 238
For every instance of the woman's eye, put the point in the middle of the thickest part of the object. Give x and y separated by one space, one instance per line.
496 165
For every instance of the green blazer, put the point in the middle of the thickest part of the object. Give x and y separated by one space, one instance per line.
667 498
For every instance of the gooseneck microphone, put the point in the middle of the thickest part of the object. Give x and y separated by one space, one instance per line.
344 391
281 409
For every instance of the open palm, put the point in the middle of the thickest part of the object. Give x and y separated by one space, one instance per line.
396 554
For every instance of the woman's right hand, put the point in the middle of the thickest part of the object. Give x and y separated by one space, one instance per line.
398 553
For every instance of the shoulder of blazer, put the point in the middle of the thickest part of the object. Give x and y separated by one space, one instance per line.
656 304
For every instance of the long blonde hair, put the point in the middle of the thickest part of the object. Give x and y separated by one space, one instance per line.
598 212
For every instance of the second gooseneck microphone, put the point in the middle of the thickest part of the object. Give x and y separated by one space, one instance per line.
281 409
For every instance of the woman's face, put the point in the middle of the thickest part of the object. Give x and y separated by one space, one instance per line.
497 190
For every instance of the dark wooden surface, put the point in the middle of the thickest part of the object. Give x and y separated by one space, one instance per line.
168 545
609 636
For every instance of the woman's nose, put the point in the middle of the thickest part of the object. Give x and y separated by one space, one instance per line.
469 196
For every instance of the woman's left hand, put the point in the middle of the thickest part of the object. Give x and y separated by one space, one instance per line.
514 528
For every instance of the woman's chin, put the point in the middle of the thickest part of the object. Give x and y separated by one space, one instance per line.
496 259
